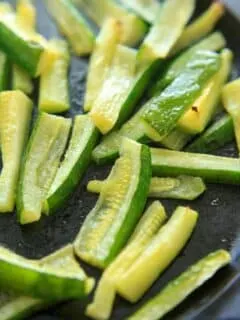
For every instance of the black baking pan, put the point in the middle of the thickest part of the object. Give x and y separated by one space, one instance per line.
218 226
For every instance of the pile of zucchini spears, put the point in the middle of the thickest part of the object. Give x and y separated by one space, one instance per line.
182 66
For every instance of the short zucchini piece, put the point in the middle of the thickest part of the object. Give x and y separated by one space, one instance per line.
213 42
39 168
119 207
134 28
41 280
162 112
231 102
21 80
195 120
166 163
147 227
216 136
101 59
158 254
54 93
16 111
72 25
179 289
110 109
166 30
19 307
76 160
183 187
200 27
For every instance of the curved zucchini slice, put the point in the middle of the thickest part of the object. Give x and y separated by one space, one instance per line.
76 160
166 30
73 25
42 159
16 111
231 102
105 294
200 27
134 28
101 59
217 135
157 256
42 281
54 95
119 207
211 168
19 307
109 108
195 120
179 289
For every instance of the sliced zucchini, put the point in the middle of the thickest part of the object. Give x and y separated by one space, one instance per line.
166 30
195 120
54 94
42 158
4 71
101 59
134 28
158 255
16 111
217 135
21 80
76 160
73 25
176 139
19 307
110 109
180 288
166 163
162 112
200 27
105 294
119 207
40 280
231 102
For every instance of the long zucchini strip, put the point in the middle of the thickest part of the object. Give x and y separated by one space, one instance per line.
101 59
73 25
44 151
217 135
76 160
231 102
157 256
16 111
166 30
162 112
118 209
200 27
180 288
43 279
211 168
134 28
147 227
183 187
53 92
195 120
110 109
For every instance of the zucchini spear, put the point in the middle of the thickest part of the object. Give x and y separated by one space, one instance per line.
118 209
180 288
42 158
16 111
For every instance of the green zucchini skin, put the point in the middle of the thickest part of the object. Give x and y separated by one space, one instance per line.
4 71
180 288
211 168
216 136
81 151
162 112
100 254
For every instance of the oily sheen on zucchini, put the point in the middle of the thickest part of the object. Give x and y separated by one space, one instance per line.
42 158
119 207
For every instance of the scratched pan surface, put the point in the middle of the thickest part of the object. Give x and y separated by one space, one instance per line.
218 226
